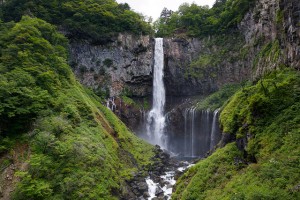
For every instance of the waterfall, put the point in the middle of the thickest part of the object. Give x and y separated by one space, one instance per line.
192 130
156 119
189 132
214 130
185 151
110 103
201 131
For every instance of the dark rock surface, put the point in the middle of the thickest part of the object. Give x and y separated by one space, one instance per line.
123 66
126 64
270 21
180 53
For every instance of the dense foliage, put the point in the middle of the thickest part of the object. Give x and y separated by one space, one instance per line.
266 116
32 69
220 52
199 21
218 99
98 20
78 148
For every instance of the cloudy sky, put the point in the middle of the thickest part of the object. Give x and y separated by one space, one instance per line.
154 7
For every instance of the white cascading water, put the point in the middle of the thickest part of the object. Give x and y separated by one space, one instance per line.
193 130
156 118
213 136
201 131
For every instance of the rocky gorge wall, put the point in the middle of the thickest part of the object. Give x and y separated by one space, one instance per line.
200 67
125 66
272 35
121 67
267 38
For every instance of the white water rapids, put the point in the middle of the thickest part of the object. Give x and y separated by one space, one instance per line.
169 181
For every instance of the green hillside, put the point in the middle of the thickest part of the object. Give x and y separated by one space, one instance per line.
78 149
263 162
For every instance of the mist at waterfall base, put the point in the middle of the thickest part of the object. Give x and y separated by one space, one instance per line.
197 134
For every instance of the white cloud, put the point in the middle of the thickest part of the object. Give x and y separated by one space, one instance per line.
153 8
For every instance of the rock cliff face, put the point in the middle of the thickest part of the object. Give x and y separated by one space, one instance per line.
123 66
194 66
267 38
272 34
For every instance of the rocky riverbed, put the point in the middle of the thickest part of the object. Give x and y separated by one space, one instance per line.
158 182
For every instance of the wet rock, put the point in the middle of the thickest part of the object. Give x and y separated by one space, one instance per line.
146 195
158 191
142 187
226 138
162 197
169 186
136 187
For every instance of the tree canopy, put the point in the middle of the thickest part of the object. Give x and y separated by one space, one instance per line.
198 21
97 20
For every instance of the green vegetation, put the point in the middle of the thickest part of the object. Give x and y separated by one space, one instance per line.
198 181
267 115
219 98
97 20
200 21
219 50
79 149
270 53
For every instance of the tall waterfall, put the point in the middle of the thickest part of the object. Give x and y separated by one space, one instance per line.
156 119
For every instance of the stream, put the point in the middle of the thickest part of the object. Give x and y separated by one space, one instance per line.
164 189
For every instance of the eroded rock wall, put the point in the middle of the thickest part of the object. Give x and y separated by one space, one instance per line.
272 34
200 67
121 67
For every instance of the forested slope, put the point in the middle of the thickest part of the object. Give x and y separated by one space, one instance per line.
94 20
76 147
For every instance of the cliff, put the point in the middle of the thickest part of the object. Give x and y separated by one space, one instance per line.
272 34
121 67
267 38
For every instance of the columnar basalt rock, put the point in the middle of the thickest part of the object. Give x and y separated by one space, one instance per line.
272 34
182 79
123 66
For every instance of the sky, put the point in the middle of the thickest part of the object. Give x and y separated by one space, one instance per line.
153 8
